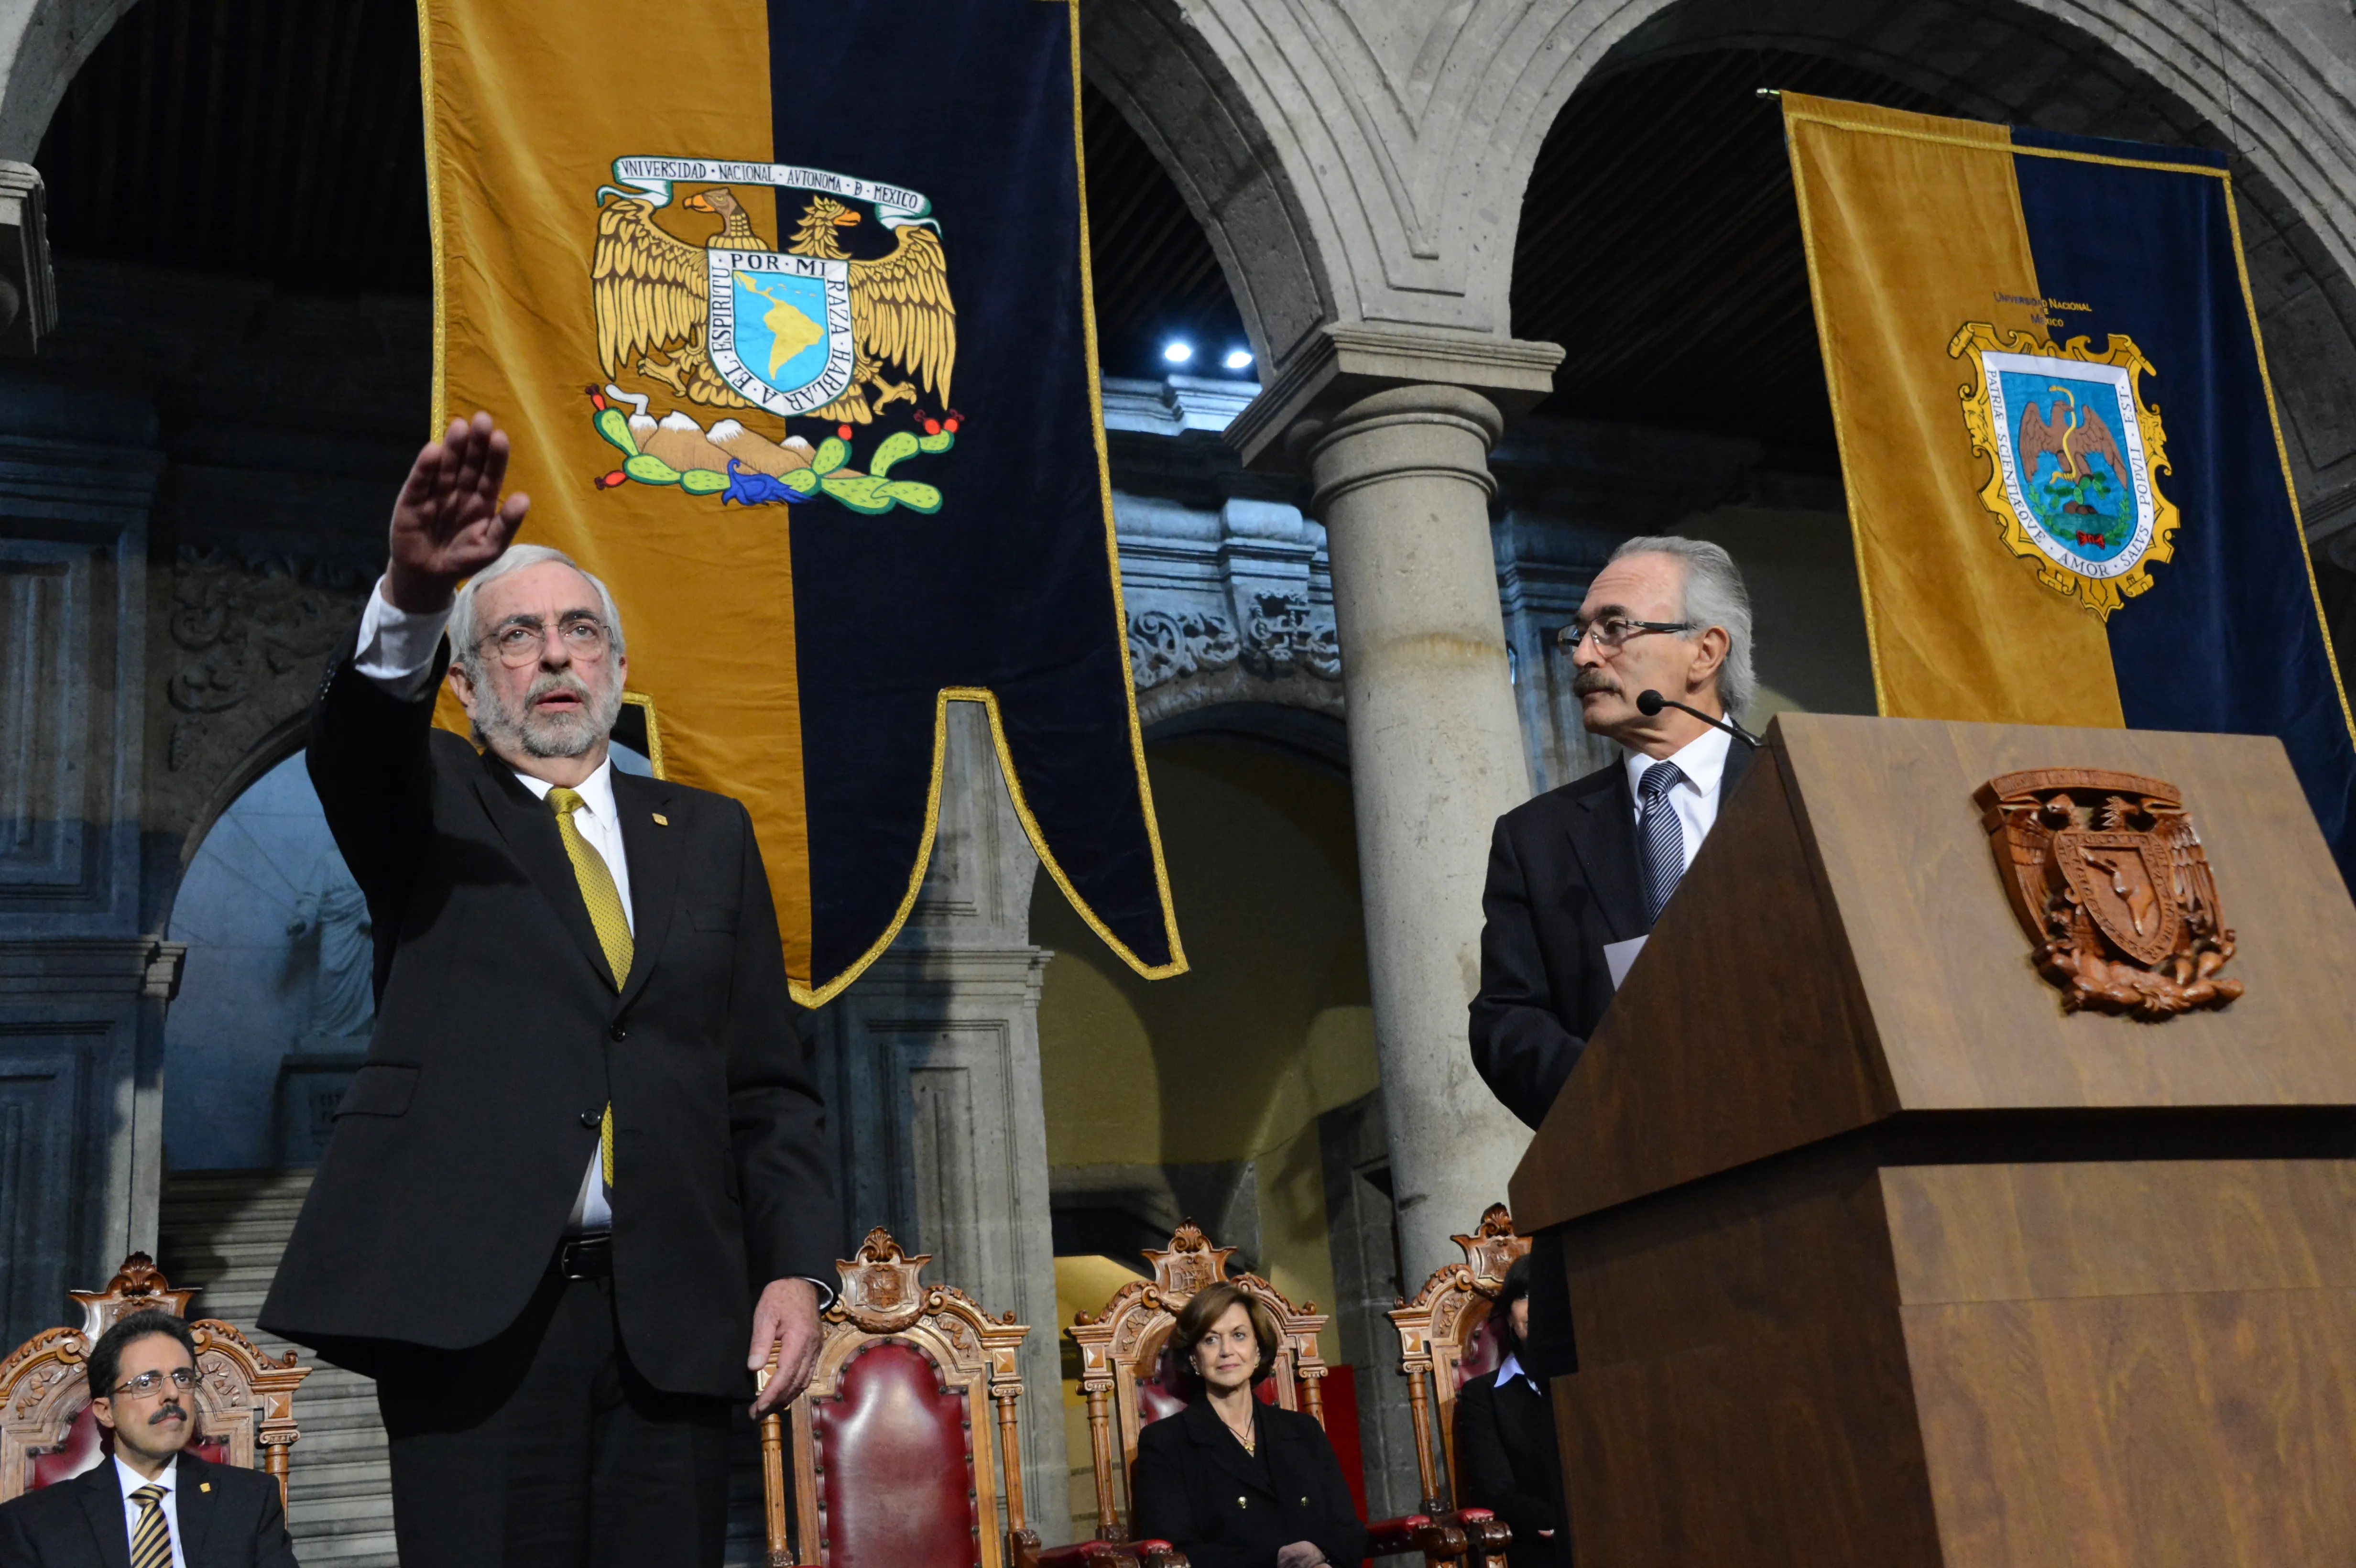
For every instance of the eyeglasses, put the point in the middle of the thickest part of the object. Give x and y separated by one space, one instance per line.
519 643
1612 632
145 1383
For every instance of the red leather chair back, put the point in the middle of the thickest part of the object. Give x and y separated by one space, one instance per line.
85 1449
82 1452
1166 1393
895 1461
1484 1348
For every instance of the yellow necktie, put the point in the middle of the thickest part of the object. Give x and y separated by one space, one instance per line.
151 1541
606 913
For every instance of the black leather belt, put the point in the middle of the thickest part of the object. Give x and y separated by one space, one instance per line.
586 1257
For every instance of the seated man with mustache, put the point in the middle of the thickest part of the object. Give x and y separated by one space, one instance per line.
165 1506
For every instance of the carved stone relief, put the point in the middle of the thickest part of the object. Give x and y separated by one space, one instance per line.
250 634
1166 646
1285 635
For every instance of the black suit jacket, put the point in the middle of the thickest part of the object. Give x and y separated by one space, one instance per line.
1563 883
1198 1489
229 1519
500 1035
1508 1461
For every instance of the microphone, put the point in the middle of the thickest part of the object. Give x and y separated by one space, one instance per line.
1650 702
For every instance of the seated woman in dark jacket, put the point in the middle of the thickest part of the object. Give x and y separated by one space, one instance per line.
1229 1481
1506 1456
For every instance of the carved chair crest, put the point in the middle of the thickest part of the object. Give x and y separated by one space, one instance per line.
245 1397
972 1360
1441 1339
1122 1368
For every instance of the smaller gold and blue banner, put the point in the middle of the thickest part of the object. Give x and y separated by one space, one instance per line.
2065 473
786 304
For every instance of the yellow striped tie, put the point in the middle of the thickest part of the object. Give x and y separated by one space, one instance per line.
151 1543
606 913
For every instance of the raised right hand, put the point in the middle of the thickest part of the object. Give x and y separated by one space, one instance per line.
449 522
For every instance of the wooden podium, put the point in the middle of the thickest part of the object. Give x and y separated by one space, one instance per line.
1879 1256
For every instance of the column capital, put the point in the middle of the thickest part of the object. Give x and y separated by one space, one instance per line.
1428 431
1344 363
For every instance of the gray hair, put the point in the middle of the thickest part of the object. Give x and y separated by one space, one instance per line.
1712 595
465 634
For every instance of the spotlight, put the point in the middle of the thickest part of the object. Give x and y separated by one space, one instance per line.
1238 359
1179 352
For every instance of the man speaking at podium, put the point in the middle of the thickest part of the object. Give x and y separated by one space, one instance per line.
581 1186
1589 866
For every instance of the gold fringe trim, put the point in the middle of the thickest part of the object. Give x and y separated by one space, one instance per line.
438 416
2282 455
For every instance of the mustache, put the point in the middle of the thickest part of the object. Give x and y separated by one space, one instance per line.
559 680
1591 681
168 1408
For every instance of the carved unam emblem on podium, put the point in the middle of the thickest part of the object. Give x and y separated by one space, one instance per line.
2109 879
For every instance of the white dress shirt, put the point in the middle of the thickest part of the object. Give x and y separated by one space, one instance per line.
1702 761
396 651
131 1480
1511 1368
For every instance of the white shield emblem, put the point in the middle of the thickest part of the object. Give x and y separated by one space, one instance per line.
2070 450
2074 453
780 327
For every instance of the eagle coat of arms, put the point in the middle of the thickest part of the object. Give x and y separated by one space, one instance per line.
2108 876
2074 450
729 322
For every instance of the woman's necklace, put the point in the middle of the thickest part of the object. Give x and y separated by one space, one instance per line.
1248 1435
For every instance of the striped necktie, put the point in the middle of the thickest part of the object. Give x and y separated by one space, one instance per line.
1661 837
606 913
151 1538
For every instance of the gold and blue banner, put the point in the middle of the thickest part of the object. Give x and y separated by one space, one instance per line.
786 305
2065 473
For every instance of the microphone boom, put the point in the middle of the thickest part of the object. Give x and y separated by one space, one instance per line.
1650 702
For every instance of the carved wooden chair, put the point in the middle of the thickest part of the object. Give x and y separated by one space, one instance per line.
246 1398
1129 1375
1446 1340
888 1449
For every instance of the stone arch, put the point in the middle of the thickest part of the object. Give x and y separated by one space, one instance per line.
1301 724
42 44
1202 125
280 742
1370 166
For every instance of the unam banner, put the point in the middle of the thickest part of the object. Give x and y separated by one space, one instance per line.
786 306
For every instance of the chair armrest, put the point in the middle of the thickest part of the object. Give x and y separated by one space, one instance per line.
1028 1554
1440 1542
1389 1536
1487 1537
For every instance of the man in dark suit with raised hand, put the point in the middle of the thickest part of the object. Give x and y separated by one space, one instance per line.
1592 864
152 1504
580 1186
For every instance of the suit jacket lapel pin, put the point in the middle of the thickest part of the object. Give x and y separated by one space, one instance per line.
660 820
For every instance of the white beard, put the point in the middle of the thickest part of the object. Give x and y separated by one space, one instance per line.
527 729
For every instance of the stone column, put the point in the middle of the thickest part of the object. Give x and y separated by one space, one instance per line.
932 1063
1435 754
